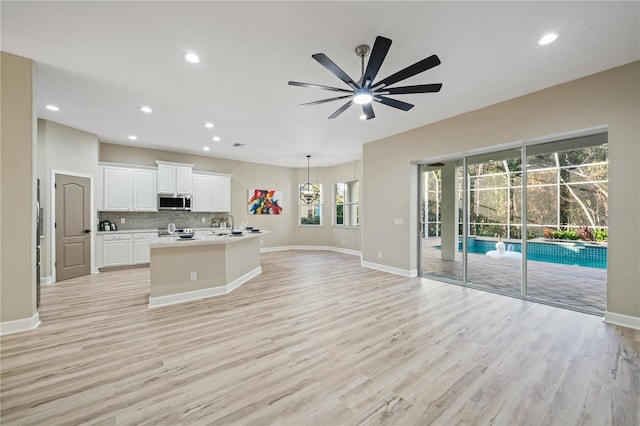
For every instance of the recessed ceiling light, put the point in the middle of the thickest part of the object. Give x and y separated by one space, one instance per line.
206 148
208 125
192 57
52 108
146 109
216 138
132 137
548 38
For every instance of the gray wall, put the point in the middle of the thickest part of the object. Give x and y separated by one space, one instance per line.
64 150
17 188
610 98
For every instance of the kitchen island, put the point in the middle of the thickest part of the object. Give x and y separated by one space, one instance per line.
208 265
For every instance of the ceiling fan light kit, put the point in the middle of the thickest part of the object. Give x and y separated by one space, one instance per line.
365 91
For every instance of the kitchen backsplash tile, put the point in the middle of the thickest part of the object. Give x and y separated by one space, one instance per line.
156 220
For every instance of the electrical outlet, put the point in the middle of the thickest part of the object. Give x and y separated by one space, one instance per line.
122 220
343 242
379 255
203 220
194 276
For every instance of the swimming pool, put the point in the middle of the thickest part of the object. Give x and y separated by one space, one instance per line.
565 253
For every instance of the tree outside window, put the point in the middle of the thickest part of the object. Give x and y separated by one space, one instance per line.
346 205
311 214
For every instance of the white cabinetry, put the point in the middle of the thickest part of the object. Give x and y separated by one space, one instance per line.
141 252
174 178
211 192
129 189
116 249
123 249
116 188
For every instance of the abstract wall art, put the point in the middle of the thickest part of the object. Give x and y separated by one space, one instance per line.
265 201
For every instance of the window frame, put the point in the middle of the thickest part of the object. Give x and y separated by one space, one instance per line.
317 204
351 204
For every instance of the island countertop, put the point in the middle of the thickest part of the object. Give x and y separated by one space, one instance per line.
213 238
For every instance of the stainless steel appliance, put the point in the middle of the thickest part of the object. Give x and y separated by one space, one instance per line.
174 202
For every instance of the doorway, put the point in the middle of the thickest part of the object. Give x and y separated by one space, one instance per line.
72 226
531 222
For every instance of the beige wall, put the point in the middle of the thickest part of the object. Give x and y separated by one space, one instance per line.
610 98
17 191
247 176
64 150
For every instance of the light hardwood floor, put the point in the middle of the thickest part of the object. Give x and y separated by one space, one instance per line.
315 339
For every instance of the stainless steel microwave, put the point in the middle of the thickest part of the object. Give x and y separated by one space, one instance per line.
174 202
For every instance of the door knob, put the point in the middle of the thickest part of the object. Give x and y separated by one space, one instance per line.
86 231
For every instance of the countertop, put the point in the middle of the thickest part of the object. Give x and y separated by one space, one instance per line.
172 242
138 231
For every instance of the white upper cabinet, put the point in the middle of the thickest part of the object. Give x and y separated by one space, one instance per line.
144 190
174 178
129 189
221 193
211 192
117 184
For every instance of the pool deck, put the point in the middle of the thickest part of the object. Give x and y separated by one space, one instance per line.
576 287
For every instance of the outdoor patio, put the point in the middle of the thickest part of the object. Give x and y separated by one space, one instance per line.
577 287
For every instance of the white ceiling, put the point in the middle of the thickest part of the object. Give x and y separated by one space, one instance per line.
99 61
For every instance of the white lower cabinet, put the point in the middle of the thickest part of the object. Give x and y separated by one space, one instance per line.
116 250
124 249
141 252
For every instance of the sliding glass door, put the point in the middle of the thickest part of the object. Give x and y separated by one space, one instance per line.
529 222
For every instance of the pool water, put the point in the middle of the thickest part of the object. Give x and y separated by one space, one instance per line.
573 253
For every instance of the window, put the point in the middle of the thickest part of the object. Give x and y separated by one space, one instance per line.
310 214
347 207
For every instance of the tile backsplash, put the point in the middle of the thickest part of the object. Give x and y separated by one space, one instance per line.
157 220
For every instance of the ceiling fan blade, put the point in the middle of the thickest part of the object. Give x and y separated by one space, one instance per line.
393 103
378 53
421 88
368 111
409 71
334 69
318 86
322 101
340 110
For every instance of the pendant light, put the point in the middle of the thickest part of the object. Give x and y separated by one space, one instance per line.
308 193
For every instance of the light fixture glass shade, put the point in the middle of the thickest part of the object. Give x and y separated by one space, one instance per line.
309 193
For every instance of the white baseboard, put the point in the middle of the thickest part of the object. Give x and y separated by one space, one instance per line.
46 280
621 319
17 326
322 248
189 296
409 273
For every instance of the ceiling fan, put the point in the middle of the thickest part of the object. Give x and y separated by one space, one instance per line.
365 91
